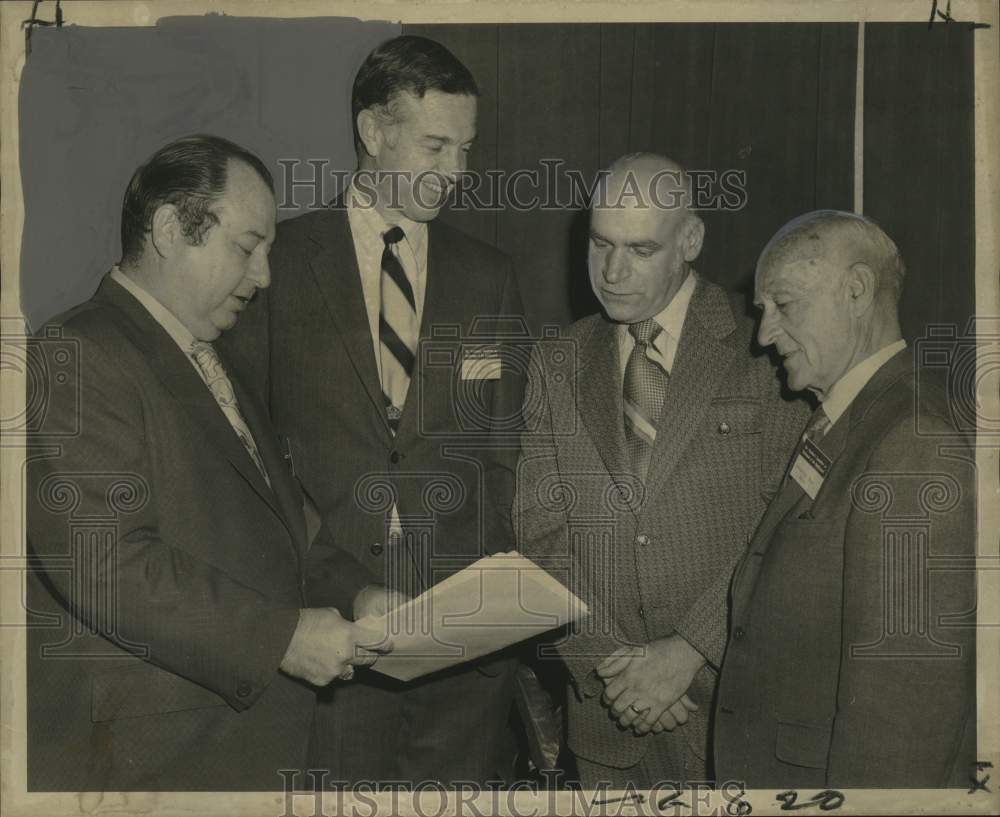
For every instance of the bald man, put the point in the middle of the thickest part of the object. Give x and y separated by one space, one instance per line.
657 441
851 660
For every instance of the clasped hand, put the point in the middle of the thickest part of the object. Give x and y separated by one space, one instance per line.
646 687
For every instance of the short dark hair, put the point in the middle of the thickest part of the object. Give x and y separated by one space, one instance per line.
407 63
189 173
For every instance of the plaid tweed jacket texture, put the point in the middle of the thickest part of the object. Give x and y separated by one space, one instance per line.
650 560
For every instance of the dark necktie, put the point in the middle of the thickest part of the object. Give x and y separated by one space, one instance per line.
397 329
644 390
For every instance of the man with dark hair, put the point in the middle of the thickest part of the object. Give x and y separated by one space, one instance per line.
851 659
162 516
682 433
189 173
382 354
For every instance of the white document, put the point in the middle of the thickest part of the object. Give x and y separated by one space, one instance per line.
491 604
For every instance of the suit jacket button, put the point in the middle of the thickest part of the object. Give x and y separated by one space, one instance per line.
738 633
642 539
642 611
395 457
376 549
724 427
243 689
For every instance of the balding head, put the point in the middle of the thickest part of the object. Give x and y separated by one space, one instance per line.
643 236
643 179
843 238
828 283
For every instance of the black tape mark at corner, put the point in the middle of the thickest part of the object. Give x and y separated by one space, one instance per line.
29 24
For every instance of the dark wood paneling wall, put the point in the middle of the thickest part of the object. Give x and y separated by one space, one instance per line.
919 179
775 101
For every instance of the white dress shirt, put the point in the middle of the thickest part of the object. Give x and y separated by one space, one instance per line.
367 228
180 334
843 392
663 350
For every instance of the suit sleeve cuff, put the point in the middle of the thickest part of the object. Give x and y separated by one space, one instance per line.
264 655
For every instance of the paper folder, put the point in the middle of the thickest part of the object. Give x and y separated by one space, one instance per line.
491 604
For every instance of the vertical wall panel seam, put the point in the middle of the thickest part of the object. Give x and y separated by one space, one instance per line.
631 89
859 123
496 156
819 122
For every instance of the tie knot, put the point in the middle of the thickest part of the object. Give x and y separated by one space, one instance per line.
202 348
818 424
645 332
206 357
393 235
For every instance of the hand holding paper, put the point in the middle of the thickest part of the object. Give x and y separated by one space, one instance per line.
325 646
495 602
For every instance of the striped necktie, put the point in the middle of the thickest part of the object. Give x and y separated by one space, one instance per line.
644 390
397 329
215 377
815 430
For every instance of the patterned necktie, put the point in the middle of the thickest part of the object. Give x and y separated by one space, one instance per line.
817 426
397 329
207 360
815 430
645 389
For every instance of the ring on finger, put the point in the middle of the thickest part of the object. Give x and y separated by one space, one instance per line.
637 710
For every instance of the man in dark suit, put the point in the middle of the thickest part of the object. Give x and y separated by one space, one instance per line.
384 356
851 660
655 437
163 517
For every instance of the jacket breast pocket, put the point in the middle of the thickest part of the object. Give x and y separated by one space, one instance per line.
141 690
730 418
803 744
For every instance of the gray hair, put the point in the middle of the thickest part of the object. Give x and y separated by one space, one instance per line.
866 239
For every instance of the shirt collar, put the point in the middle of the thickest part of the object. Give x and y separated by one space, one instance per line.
178 331
843 392
672 317
360 212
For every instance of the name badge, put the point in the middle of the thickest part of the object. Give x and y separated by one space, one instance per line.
481 363
810 468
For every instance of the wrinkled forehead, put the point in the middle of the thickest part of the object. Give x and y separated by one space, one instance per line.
793 267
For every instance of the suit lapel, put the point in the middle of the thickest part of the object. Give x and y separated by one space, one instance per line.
282 486
177 374
600 395
899 365
334 267
791 500
702 360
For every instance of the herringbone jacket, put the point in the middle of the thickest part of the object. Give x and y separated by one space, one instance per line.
649 560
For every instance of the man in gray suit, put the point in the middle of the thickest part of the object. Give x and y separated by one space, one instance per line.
655 442
851 661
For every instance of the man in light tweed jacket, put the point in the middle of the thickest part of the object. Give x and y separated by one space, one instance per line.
655 440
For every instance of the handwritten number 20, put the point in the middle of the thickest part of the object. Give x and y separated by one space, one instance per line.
827 800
